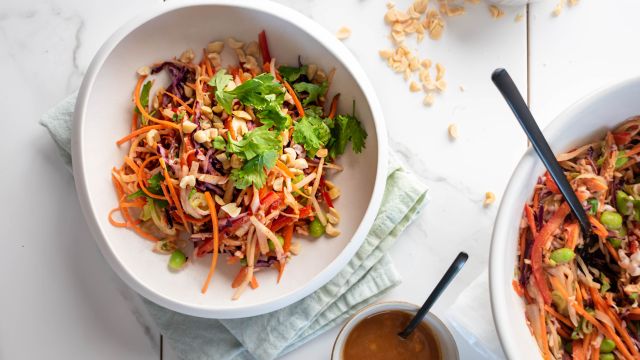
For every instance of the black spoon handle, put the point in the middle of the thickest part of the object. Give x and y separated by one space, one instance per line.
510 92
435 294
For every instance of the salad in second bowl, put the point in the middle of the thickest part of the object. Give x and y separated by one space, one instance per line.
581 297
254 142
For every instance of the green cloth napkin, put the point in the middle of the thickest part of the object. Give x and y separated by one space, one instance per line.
368 275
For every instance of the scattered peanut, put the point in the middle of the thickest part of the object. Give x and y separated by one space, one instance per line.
453 131
489 198
343 33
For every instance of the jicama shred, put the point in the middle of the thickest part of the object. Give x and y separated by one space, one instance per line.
219 158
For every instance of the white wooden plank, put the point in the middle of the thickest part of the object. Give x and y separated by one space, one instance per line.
591 45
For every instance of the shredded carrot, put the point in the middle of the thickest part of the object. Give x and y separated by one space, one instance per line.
563 332
558 316
232 260
179 101
242 274
555 282
166 193
612 251
603 329
287 235
573 231
295 99
539 244
578 351
551 185
536 200
595 351
143 111
599 229
543 331
139 132
521 247
114 222
207 64
134 121
254 282
284 169
141 179
214 224
599 301
333 109
531 220
125 213
172 192
131 164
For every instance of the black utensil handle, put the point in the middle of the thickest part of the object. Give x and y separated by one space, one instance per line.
453 270
510 92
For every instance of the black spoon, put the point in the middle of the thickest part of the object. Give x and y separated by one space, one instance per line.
453 270
510 92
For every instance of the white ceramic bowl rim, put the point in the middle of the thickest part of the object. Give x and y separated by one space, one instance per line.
445 338
499 292
305 25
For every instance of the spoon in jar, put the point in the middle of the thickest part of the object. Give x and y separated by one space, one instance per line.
453 270
509 91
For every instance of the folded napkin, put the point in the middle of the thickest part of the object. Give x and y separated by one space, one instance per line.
471 316
363 280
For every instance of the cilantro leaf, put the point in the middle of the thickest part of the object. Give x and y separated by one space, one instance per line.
154 188
314 91
314 110
290 73
255 143
258 92
220 81
346 128
144 100
312 133
262 92
253 171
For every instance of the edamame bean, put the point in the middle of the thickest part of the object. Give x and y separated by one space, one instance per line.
177 260
607 357
611 220
562 256
607 346
272 247
316 229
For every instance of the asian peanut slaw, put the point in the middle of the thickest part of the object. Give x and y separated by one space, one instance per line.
233 160
581 295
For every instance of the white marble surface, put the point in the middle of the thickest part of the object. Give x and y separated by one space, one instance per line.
60 299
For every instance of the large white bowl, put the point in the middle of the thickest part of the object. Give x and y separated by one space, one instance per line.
102 116
588 119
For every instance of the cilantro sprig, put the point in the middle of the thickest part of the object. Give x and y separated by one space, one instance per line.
154 188
311 132
262 92
314 91
290 73
259 149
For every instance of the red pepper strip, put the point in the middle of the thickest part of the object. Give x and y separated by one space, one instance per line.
327 198
538 246
281 222
305 212
325 195
264 47
621 138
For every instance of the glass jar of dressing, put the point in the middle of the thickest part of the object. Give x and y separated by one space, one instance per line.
372 334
